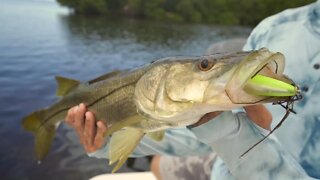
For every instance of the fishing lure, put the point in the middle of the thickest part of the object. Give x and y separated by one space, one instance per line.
293 93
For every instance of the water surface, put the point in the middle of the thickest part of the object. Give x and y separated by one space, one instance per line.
39 39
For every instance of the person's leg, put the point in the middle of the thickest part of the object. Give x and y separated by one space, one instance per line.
183 168
155 166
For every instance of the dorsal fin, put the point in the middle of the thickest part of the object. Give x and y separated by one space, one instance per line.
65 85
105 76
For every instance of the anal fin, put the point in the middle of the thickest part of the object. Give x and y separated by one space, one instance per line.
122 144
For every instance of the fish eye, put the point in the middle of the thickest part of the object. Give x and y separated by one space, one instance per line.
205 65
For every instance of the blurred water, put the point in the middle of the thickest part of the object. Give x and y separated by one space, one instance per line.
39 39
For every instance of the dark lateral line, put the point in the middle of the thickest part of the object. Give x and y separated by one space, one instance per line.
91 104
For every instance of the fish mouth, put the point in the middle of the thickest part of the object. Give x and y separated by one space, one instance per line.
272 67
259 77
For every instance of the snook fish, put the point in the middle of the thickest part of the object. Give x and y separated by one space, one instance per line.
168 93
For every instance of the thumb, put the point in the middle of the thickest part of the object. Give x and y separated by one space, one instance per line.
260 115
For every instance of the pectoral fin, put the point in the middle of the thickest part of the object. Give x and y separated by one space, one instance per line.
65 85
122 144
125 123
157 136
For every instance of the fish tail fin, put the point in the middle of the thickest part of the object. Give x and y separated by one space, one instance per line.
122 144
44 134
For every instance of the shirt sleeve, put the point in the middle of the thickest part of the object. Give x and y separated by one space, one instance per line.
177 142
268 160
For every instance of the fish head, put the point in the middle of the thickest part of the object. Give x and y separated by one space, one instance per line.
189 87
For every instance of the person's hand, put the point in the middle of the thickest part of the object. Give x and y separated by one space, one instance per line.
260 115
256 113
89 130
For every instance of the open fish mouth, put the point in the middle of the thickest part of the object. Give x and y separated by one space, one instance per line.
259 77
266 82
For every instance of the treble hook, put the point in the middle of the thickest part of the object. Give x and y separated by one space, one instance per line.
289 109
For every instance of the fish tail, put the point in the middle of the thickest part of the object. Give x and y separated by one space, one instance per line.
43 133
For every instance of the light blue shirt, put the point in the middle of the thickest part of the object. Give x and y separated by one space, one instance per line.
296 150
296 34
295 147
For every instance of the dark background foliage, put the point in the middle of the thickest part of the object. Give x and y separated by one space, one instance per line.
235 12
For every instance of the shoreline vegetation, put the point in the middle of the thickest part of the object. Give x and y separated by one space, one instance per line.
226 12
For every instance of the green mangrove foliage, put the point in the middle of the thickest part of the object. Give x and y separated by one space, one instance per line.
244 12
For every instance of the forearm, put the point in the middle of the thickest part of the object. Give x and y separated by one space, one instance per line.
231 135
